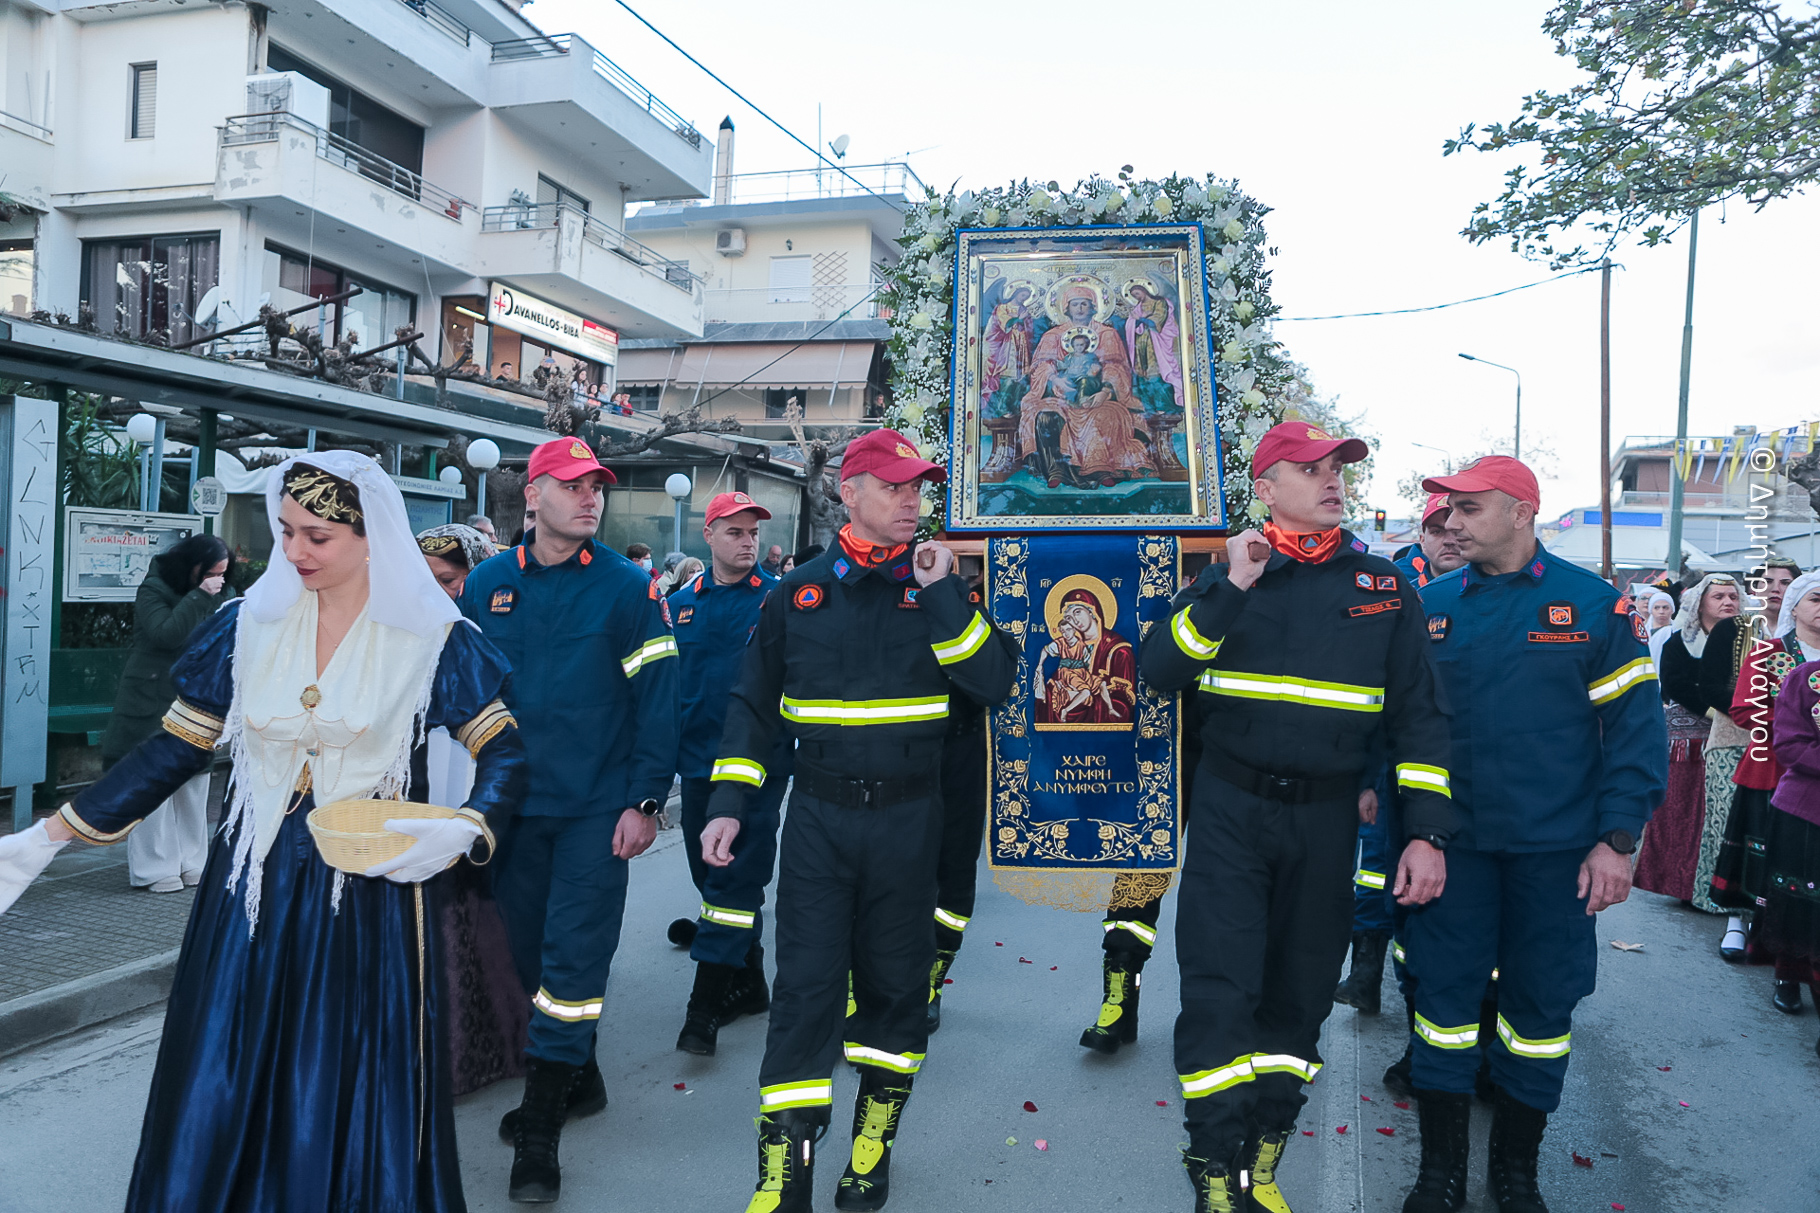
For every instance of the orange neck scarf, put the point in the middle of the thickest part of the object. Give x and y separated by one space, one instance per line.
1310 547
868 555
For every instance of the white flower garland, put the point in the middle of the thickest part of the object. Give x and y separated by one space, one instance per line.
1256 380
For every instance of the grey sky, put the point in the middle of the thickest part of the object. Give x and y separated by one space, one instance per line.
1333 114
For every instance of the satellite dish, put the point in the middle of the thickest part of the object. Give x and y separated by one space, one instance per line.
211 303
839 146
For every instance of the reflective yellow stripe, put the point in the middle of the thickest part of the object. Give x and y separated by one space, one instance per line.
651 650
1621 680
796 1095
863 711
568 1012
1369 880
1295 690
728 918
1206 1082
966 644
1189 640
1397 952
954 922
1283 1063
738 770
1145 933
1522 1046
1423 778
897 1063
1463 1037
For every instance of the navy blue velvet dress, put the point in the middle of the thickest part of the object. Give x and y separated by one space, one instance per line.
305 1069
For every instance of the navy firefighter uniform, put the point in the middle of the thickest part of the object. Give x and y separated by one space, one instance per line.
1297 674
713 622
594 692
1558 744
859 664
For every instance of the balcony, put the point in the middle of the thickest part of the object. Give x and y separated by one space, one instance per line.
294 167
26 151
439 19
848 181
581 263
562 89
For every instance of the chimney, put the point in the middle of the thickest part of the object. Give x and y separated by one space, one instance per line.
723 163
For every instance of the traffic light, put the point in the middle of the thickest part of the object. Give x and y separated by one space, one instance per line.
1378 519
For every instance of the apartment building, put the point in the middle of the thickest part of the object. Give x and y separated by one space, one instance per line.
167 167
792 263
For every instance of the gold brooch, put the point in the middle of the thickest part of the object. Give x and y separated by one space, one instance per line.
311 697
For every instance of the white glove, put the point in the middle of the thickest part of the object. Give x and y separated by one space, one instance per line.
22 857
440 842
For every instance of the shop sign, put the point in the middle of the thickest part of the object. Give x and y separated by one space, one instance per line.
543 321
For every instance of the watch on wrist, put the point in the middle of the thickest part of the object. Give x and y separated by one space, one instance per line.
1434 840
649 806
1621 841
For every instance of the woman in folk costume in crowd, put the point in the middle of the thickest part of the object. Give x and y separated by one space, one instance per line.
1787 928
1741 879
300 1067
1671 842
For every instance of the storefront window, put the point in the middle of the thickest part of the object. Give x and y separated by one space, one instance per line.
149 287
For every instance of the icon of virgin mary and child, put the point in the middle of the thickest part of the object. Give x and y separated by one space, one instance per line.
1075 423
1086 675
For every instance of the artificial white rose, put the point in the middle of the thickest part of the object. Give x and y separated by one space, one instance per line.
913 411
1221 266
1233 351
928 244
1113 202
991 216
1218 193
922 320
1233 229
1039 200
1253 397
1243 309
1162 206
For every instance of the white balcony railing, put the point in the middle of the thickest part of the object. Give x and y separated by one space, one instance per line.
439 18
822 301
265 128
553 45
546 215
855 180
25 126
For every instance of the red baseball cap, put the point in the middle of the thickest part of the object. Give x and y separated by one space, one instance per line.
1489 472
1437 504
565 459
891 457
734 503
1302 442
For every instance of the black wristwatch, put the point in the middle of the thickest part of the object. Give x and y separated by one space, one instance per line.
1621 841
1434 840
649 806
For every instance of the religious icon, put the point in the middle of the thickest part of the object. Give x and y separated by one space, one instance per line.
1083 381
1086 676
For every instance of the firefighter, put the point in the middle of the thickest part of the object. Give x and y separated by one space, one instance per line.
714 614
858 654
1303 646
594 692
1561 753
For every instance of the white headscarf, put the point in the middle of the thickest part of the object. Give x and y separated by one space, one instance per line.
1687 620
404 591
1785 622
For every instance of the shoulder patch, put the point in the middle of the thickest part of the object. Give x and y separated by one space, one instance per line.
1625 604
973 596
1437 627
1639 629
651 592
663 606
808 597
1387 583
503 600
1362 580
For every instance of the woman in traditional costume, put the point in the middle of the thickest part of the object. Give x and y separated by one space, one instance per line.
1671 842
301 1067
1788 925
1741 878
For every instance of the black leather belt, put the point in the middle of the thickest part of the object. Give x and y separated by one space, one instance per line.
1278 787
859 793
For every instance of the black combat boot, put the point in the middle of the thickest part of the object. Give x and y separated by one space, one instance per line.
536 1170
1483 1088
866 1183
1363 987
1396 1077
707 1005
1516 1140
587 1097
1261 1160
1446 1123
938 976
1216 1184
786 1162
749 994
1118 1021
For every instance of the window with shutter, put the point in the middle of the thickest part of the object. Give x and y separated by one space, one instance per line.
790 279
144 122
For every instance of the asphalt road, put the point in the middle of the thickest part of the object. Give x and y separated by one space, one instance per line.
1670 1026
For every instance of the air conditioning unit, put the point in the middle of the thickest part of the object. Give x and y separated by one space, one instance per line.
730 242
288 93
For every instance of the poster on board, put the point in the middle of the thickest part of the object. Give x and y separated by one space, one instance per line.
107 553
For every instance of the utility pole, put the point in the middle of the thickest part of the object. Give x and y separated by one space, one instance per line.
1605 418
1675 487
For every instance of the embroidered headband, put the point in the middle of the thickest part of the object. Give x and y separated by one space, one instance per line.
323 494
438 545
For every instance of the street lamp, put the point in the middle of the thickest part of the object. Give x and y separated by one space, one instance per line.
148 432
483 457
679 487
450 474
1516 442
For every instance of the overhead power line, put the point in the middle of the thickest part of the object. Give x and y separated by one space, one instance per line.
1435 307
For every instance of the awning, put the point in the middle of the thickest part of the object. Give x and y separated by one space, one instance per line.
764 364
639 367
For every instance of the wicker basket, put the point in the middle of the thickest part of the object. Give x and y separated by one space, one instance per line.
351 835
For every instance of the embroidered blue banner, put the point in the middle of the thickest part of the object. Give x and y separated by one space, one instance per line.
1084 757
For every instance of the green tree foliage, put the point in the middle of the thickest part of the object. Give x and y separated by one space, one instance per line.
1686 103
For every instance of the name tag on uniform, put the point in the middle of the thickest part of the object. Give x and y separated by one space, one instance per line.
1376 608
684 615
1560 637
503 601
